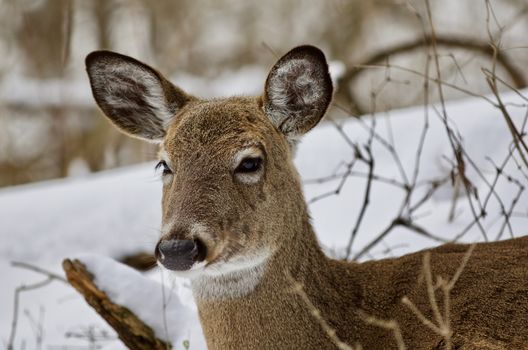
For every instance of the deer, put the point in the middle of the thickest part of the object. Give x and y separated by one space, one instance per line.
235 222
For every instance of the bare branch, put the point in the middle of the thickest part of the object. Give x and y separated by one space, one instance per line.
297 288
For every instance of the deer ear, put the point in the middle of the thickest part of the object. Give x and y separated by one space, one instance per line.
134 96
298 91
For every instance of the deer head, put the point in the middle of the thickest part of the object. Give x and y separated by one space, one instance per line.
231 195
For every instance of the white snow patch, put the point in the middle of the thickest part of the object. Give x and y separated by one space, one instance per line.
113 213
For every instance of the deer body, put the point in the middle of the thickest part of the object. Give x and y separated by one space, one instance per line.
235 222
489 311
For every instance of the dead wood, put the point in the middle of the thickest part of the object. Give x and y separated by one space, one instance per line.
134 333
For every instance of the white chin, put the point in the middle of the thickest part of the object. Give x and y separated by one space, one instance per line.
235 265
196 270
230 279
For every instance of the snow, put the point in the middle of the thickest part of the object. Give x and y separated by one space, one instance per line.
114 213
485 138
99 213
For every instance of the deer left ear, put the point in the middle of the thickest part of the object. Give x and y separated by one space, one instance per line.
298 91
134 96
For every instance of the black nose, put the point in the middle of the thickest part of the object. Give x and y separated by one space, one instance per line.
180 254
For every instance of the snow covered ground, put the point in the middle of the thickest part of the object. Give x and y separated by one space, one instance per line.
115 213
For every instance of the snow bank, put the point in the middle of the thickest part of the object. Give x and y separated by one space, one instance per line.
112 213
485 138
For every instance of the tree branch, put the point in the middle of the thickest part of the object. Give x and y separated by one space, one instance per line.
470 44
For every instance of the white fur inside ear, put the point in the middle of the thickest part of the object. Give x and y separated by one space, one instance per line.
293 89
117 80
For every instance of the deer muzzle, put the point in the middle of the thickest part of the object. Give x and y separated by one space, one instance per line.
180 254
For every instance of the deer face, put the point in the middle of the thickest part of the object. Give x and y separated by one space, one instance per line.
229 185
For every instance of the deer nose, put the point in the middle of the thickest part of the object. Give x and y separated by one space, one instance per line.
180 254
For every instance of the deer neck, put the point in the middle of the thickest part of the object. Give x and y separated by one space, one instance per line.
298 256
264 296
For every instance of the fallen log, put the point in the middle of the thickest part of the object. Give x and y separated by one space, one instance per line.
134 333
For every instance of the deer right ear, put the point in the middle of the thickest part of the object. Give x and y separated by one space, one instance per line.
298 91
134 96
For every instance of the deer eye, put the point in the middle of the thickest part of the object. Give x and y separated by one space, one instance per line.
249 165
163 165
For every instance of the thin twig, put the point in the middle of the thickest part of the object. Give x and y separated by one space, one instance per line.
298 289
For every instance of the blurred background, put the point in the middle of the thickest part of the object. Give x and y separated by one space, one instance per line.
50 126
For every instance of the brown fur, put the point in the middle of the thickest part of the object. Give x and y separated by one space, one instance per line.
489 302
